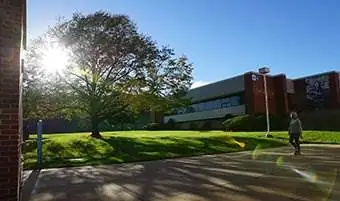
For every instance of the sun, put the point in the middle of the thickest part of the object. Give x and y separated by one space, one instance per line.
54 59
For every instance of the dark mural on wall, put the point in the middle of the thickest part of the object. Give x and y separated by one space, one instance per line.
317 91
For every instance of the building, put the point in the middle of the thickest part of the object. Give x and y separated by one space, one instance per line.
244 94
12 42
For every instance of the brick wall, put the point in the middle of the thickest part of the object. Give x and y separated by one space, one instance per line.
11 35
281 96
299 101
255 98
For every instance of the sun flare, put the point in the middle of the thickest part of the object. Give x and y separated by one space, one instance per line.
55 59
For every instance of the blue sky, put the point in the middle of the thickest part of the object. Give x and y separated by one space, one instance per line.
224 38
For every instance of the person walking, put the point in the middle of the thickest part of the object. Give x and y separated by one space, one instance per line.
295 132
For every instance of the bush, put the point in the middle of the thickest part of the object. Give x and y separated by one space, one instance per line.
327 120
193 126
153 126
206 126
255 123
171 124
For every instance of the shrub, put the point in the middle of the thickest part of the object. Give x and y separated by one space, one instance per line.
153 126
255 123
171 124
321 120
206 126
193 126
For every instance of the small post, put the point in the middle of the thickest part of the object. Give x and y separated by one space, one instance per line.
39 142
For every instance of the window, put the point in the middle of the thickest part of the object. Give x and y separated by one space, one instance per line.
195 107
235 101
225 102
207 105
216 104
200 107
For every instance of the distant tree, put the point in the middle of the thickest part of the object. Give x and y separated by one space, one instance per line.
115 70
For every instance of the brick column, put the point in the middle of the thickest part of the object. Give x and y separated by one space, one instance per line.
254 94
281 98
11 37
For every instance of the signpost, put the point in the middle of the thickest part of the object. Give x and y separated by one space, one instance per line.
39 142
265 71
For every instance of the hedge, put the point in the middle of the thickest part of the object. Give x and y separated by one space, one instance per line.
327 120
255 123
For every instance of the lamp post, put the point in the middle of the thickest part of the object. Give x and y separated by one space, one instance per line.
263 71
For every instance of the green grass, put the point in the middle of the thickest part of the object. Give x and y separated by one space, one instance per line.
77 149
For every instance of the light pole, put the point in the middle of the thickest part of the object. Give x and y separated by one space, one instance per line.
263 71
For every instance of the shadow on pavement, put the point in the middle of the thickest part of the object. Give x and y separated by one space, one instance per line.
30 179
259 175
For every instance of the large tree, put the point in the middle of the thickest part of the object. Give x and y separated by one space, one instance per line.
115 69
41 91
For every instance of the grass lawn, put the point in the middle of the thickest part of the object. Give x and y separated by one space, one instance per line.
77 149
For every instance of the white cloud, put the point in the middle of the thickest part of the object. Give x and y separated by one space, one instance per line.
199 83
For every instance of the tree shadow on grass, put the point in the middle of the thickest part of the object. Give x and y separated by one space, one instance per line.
115 149
139 149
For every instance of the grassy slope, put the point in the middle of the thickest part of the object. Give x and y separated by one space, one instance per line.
118 147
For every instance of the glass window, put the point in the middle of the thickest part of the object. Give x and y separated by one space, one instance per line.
225 103
235 101
200 107
216 104
194 106
207 106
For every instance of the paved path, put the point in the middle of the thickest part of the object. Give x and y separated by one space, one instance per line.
267 175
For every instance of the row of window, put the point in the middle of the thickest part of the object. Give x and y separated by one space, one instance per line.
212 105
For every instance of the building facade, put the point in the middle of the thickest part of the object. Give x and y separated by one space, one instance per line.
244 94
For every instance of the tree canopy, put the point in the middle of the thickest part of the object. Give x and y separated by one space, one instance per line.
113 69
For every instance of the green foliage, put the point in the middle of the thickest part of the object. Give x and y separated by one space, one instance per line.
321 120
42 92
206 126
255 123
115 71
154 126
194 126
313 120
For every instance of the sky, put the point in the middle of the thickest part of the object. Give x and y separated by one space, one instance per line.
223 38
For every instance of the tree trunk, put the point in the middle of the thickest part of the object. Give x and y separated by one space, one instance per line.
95 128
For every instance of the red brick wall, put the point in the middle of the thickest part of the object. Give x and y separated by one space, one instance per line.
281 97
254 94
299 97
11 18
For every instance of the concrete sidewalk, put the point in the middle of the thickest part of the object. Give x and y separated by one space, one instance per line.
266 175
